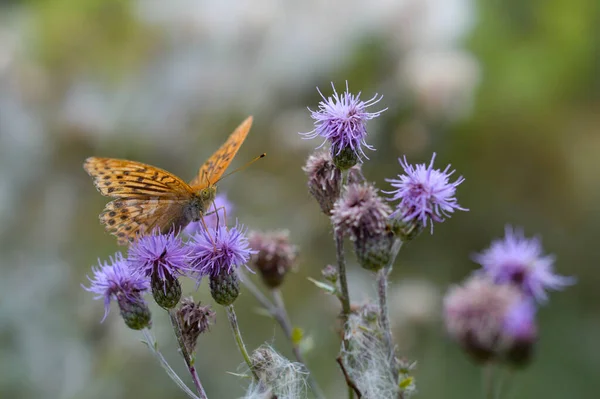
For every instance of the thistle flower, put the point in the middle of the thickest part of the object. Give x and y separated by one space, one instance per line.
324 180
163 258
216 213
475 315
520 261
342 120
114 280
275 255
217 253
520 333
425 194
194 320
363 215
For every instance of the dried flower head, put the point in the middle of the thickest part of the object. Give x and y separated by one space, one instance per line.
342 120
214 216
218 253
274 257
520 261
195 320
279 376
360 211
163 258
475 315
114 280
324 180
426 194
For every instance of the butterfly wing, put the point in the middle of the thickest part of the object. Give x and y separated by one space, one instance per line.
216 165
146 197
129 218
120 178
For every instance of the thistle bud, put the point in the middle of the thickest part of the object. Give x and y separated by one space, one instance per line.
167 292
345 158
275 256
224 288
330 273
324 180
134 311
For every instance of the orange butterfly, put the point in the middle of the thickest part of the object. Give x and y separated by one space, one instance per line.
147 197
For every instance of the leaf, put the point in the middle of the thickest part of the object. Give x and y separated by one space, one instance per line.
324 286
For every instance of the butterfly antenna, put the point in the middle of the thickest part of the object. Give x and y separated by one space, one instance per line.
264 154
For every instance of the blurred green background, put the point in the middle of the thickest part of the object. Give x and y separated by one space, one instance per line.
506 91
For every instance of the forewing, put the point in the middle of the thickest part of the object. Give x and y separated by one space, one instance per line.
128 218
216 165
120 178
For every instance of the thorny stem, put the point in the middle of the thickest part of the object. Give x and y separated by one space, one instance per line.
153 346
284 320
384 318
186 356
238 338
345 298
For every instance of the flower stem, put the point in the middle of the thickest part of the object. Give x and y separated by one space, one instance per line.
238 338
282 317
186 356
153 346
488 380
384 318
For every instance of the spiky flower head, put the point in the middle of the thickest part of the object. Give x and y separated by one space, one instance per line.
521 261
475 314
218 253
163 258
194 320
114 280
275 256
324 180
520 333
363 215
360 211
426 195
341 120
215 215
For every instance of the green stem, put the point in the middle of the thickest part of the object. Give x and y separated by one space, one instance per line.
282 317
488 380
153 346
238 338
384 318
189 362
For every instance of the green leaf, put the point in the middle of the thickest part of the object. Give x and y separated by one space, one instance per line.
324 286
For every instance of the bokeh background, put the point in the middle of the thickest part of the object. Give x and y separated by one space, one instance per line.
506 91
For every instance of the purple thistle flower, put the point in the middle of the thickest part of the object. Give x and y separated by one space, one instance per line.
519 260
162 255
519 322
219 250
425 194
342 120
221 201
114 280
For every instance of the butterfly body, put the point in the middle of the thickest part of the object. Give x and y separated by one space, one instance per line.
148 198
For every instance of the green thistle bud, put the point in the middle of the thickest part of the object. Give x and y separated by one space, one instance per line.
346 158
224 288
135 313
374 252
167 292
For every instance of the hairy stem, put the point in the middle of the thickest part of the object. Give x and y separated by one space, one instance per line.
238 338
384 317
281 316
153 346
186 356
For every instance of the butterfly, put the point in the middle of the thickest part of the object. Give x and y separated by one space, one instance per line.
149 198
